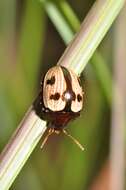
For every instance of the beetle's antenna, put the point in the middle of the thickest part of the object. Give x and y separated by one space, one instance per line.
75 140
50 131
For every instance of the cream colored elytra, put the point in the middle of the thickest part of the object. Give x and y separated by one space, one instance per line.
58 86
76 106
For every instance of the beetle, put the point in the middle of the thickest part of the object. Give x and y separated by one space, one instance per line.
61 100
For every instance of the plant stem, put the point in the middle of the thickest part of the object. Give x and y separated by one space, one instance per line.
117 146
75 57
92 31
20 147
57 19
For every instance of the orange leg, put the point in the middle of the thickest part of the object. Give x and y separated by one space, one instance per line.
50 131
75 140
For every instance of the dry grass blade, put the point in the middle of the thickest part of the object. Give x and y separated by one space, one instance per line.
117 157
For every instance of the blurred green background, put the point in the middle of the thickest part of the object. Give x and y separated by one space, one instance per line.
29 44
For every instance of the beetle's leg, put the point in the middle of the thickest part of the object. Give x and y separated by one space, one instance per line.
50 131
75 140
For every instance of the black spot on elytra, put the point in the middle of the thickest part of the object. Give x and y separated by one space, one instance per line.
55 96
79 98
51 81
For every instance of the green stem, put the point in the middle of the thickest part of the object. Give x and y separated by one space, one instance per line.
20 147
92 31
